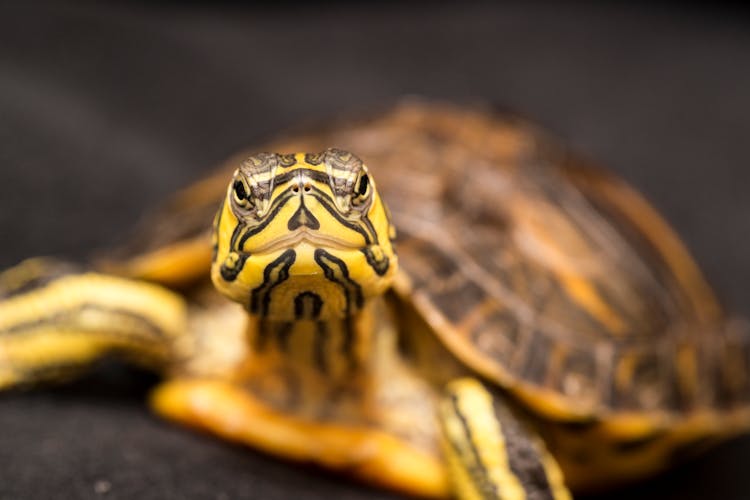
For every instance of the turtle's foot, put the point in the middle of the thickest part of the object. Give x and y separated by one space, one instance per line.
366 451
491 453
57 320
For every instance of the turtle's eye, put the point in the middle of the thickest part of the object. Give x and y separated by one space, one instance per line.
362 194
362 190
241 196
364 184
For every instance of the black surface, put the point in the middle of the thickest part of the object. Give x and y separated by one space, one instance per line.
104 109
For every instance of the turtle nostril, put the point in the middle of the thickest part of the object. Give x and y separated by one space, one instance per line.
295 189
308 188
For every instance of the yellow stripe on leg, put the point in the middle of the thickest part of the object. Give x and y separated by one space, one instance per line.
483 462
475 446
53 325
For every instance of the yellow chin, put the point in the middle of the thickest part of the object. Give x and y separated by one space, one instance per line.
308 281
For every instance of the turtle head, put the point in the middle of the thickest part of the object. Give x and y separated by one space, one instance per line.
302 236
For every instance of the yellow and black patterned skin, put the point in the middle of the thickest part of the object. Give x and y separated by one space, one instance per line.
268 189
593 330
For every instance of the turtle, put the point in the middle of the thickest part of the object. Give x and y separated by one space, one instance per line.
437 299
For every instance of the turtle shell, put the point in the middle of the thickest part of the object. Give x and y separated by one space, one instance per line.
540 272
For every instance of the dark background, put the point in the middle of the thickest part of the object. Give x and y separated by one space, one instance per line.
105 109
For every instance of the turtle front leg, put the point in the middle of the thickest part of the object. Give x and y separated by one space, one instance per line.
491 454
368 452
57 320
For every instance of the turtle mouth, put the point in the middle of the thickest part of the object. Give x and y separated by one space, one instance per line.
305 235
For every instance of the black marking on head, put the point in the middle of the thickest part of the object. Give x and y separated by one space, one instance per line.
379 266
315 175
287 160
323 200
335 270
307 305
232 265
254 169
238 238
314 158
274 274
302 217
345 167
339 159
277 206
368 224
259 163
335 158
236 232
